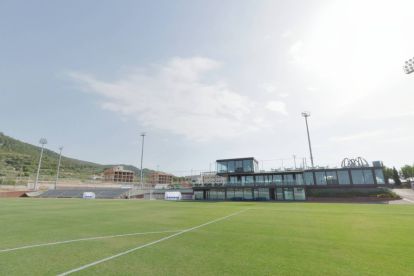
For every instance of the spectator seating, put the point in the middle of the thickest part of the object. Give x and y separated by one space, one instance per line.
78 193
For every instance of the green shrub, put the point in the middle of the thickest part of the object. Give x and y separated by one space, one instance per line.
353 192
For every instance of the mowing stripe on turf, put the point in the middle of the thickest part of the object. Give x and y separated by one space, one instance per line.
85 239
328 211
148 244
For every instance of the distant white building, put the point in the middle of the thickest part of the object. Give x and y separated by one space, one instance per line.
196 179
213 178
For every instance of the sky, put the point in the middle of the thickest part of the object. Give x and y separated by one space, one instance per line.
208 80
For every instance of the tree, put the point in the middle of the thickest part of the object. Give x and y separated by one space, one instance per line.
388 172
396 177
407 172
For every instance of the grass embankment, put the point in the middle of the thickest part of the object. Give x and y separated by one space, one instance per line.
267 239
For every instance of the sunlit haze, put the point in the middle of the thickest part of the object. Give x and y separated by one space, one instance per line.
210 80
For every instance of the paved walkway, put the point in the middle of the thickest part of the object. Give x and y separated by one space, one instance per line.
406 194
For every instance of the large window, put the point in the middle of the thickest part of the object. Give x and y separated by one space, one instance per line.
239 166
299 194
213 194
279 194
379 176
260 179
343 178
277 179
357 177
248 193
248 165
238 193
288 179
320 178
220 194
264 193
222 167
331 178
233 180
247 180
299 179
369 178
198 195
308 176
231 168
230 194
288 193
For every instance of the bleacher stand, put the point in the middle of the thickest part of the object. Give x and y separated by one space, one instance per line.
78 193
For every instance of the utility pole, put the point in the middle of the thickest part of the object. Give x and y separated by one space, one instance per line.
57 173
142 156
42 141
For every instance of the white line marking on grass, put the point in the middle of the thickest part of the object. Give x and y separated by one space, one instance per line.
148 244
408 200
327 211
85 239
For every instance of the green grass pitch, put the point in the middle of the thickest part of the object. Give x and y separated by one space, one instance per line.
267 239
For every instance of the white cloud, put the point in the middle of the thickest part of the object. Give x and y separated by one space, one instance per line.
268 87
287 33
277 107
358 136
283 95
176 99
311 88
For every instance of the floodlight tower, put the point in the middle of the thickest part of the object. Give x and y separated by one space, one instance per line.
409 66
142 157
42 141
306 114
57 173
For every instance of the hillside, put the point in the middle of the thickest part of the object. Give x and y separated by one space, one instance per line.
25 157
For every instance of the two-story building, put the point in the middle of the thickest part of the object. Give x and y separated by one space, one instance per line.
244 181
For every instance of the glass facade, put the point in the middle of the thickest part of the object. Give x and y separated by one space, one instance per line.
221 194
289 179
238 193
230 194
379 175
213 194
279 194
248 165
239 166
222 167
343 178
277 179
308 178
357 177
248 194
331 178
288 193
369 178
231 167
264 193
198 195
320 178
299 179
299 194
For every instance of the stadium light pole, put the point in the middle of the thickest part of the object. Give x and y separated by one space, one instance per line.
42 141
57 172
409 66
294 160
142 156
306 114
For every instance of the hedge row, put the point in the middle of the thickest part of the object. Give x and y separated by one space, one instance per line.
354 192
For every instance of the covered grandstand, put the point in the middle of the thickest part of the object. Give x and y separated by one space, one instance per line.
78 193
